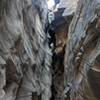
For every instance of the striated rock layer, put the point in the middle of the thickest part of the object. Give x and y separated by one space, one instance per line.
82 72
25 57
28 71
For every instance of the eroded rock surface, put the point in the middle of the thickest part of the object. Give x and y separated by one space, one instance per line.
82 51
30 70
24 51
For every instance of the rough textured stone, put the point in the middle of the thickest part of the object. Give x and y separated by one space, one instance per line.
82 52
24 50
27 71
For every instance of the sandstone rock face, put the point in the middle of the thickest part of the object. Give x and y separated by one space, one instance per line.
30 70
82 53
24 51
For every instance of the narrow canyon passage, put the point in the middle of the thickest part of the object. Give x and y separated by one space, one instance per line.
49 49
